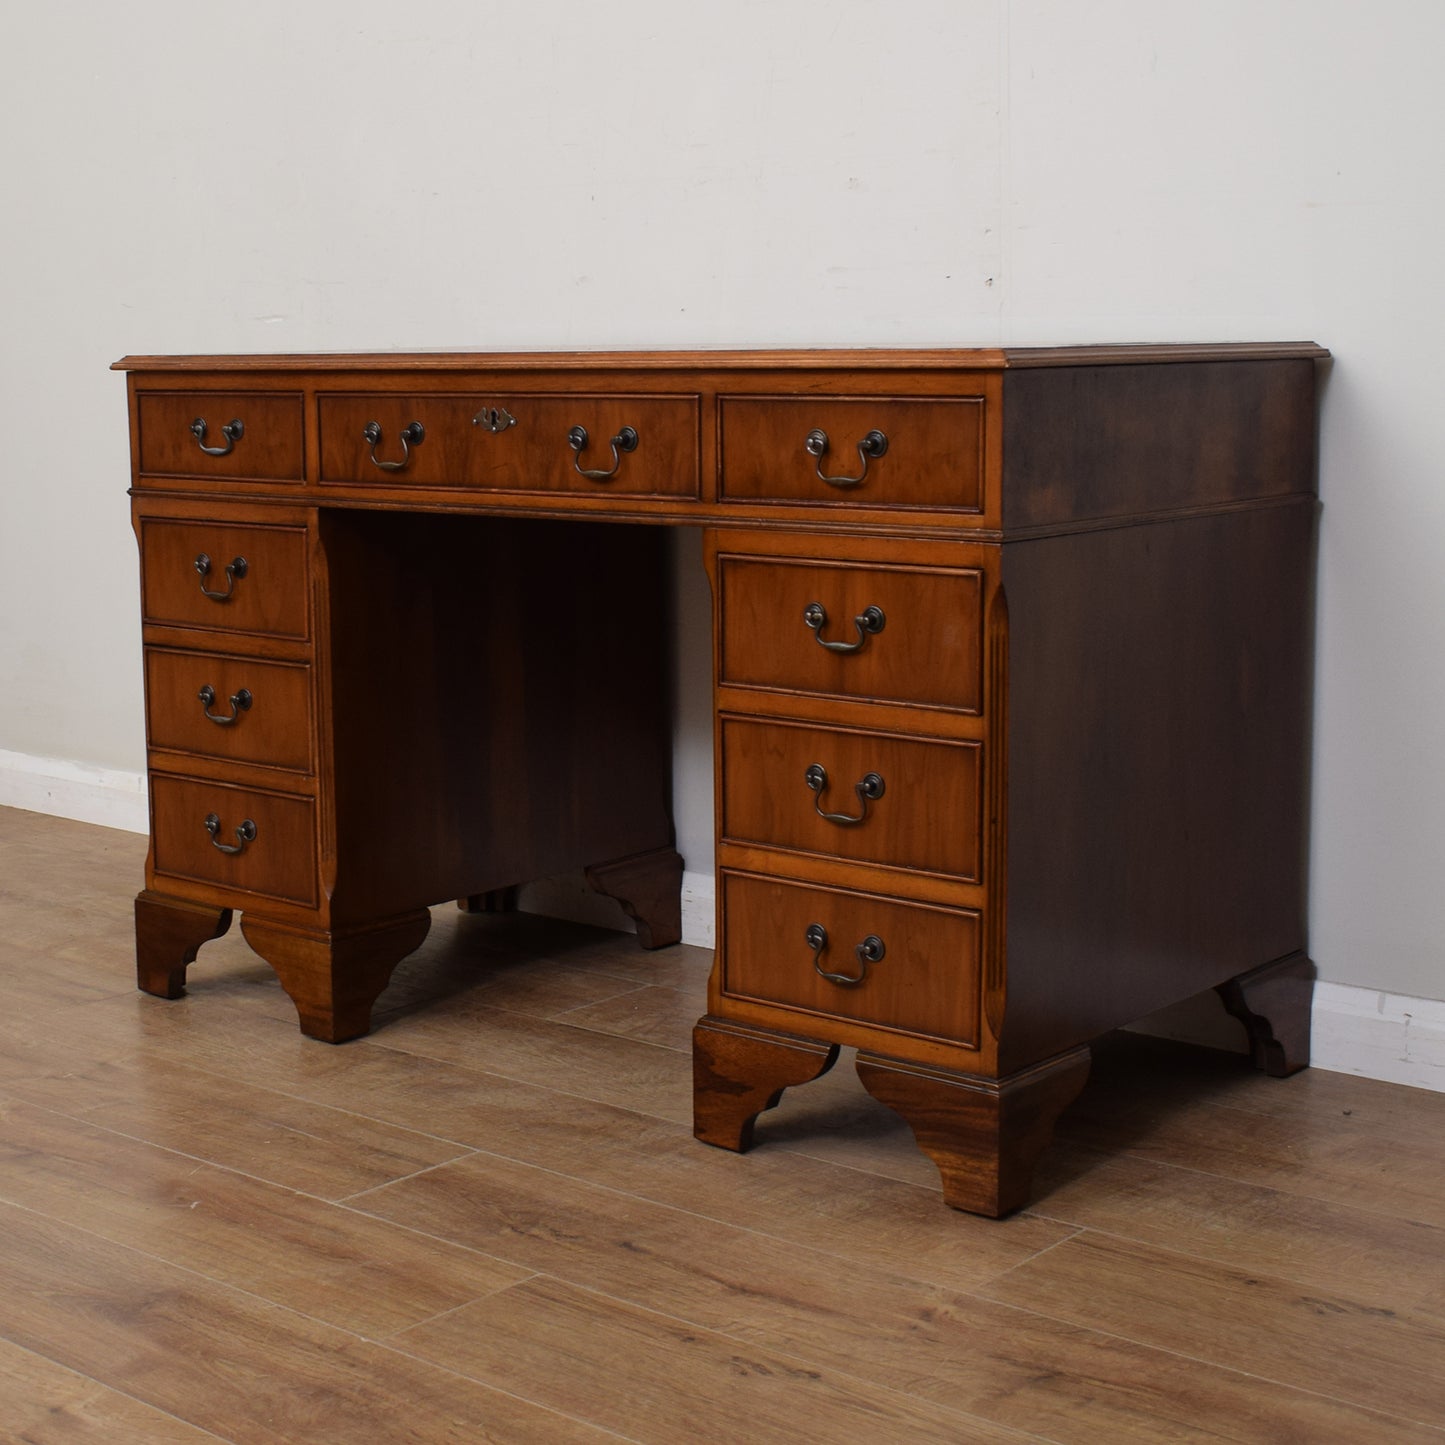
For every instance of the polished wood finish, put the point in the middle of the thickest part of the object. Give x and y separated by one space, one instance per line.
985 1135
169 933
499 709
275 730
278 862
1273 1004
269 445
921 822
935 453
649 888
530 455
1178 729
1088 700
1107 442
926 655
739 1073
216 1231
270 599
334 977
926 983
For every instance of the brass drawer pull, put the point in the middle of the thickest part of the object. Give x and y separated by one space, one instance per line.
240 702
236 568
624 441
874 444
871 950
233 431
413 434
245 833
869 622
869 788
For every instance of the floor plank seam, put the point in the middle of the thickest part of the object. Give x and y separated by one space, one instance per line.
395 1335
214 1280
1291 1280
229 1169
118 1390
809 1366
390 1347
613 1033
1104 1332
657 1203
1276 1188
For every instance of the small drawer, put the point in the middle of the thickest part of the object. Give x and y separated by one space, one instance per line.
273 838
878 452
880 633
641 446
908 803
230 707
916 966
225 577
221 434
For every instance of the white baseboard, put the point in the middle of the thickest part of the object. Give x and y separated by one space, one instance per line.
1362 1031
1378 1035
110 797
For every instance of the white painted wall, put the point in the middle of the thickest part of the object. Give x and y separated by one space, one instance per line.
471 173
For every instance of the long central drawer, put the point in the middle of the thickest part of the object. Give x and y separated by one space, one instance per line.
630 445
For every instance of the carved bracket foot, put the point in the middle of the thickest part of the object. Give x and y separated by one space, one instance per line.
739 1071
649 888
169 933
335 978
985 1135
1273 1004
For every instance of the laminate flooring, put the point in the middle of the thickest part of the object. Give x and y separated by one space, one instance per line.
489 1221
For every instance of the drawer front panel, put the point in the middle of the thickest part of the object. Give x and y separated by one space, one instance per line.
266 595
933 456
265 707
926 981
266 446
531 453
914 636
279 861
925 818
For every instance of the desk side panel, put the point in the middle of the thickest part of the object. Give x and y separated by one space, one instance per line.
1159 745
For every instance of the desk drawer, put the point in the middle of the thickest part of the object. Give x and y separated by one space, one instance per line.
277 860
920 973
530 450
931 454
919 808
257 712
914 635
248 434
256 575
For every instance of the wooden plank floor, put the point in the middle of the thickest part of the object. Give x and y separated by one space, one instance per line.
489 1221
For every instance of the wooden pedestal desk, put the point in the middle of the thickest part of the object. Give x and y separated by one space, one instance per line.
1012 691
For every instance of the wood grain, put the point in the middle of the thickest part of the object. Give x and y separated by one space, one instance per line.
1379 1358
659 1380
42 1403
1206 1260
282 1246
253 1372
1011 1366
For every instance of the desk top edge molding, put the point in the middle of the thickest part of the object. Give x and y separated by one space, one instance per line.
884 359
